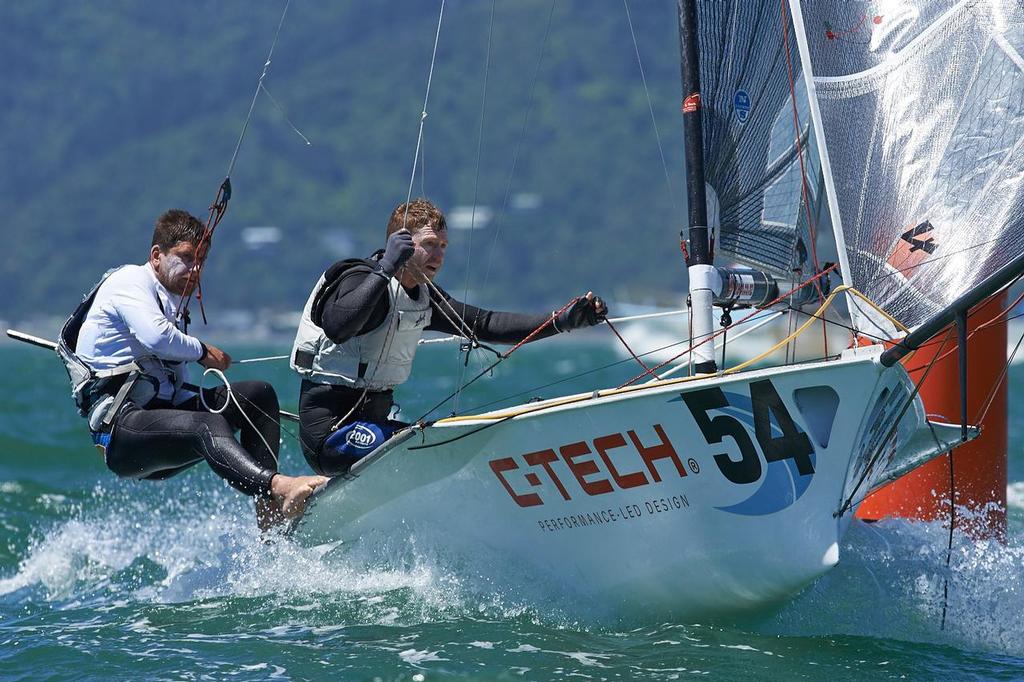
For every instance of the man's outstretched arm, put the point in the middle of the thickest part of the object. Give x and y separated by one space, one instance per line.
503 327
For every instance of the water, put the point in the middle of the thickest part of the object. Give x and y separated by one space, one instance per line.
107 579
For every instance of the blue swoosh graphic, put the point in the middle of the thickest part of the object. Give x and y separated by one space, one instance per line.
782 484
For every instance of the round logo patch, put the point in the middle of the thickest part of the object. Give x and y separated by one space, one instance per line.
741 105
361 437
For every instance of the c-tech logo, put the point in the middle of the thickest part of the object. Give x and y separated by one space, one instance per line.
361 437
787 451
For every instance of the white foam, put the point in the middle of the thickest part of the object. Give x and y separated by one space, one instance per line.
1015 495
890 583
415 657
587 659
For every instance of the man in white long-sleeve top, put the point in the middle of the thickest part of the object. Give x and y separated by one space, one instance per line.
127 353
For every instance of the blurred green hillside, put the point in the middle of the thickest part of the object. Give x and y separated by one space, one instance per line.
112 111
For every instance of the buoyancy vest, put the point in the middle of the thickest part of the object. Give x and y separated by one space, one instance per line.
379 359
99 394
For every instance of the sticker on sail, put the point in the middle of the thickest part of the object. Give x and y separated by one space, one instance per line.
916 246
741 105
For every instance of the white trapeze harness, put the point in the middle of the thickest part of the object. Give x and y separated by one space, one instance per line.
379 359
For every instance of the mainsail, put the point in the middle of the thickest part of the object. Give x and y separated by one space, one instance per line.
756 139
922 116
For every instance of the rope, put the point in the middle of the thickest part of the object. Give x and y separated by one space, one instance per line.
769 318
223 196
949 541
994 320
441 300
625 345
650 107
519 142
476 192
423 114
503 356
768 305
266 359
1002 377
231 397
648 316
892 430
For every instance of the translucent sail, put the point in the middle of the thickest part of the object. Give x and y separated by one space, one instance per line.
754 137
922 113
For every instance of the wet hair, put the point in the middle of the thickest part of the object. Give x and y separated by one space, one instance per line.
176 226
421 213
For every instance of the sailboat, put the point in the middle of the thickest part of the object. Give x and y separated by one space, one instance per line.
899 125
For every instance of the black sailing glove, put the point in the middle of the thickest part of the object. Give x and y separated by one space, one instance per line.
398 250
586 312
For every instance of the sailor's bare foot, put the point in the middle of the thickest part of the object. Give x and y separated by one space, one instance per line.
291 493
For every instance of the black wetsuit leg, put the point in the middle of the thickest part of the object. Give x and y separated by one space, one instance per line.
158 443
320 408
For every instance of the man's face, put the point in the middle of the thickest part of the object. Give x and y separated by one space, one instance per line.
175 267
428 258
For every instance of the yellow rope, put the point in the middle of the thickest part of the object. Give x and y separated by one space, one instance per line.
806 325
819 313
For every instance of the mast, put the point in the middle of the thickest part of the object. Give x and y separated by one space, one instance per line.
702 273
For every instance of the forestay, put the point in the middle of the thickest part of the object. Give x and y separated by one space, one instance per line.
922 116
754 137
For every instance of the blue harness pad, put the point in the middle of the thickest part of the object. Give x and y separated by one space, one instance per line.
355 440
100 439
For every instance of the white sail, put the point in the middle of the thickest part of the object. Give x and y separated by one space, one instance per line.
922 111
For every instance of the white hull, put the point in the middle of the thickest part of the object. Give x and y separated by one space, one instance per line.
692 543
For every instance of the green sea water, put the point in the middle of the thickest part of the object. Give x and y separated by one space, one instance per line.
107 579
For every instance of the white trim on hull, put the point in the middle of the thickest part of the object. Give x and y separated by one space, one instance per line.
688 498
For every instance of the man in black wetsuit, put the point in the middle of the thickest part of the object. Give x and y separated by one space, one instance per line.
361 325
127 352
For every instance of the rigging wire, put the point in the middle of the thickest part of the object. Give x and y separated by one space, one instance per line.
391 332
519 142
284 113
503 356
650 107
877 454
223 196
476 193
423 114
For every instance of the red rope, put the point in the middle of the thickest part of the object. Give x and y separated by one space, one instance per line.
541 328
217 210
626 345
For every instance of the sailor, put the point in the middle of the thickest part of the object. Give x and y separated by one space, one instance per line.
127 353
360 330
